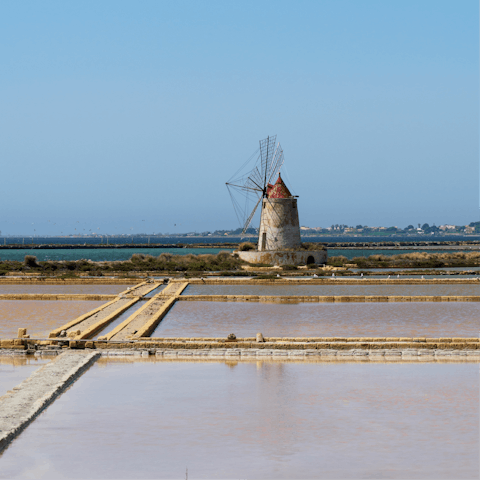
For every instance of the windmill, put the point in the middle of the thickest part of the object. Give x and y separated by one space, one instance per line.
249 186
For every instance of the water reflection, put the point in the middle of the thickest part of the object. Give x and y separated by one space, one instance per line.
39 317
332 290
257 420
53 289
15 369
218 319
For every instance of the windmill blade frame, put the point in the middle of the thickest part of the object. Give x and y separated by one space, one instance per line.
253 184
249 219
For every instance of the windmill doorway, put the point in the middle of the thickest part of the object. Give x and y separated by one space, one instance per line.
264 240
310 260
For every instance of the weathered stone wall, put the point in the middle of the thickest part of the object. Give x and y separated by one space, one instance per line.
284 257
279 225
29 346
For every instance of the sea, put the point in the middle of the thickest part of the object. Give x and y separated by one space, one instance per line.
122 248
192 240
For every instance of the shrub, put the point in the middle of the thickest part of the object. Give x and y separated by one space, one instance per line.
30 261
337 261
246 246
68 275
137 258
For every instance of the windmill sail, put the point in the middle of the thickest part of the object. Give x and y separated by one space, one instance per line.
249 219
248 188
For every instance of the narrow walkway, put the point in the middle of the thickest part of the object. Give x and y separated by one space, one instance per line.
22 404
89 324
144 320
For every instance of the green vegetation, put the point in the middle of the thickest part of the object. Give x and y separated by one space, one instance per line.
246 246
166 262
226 264
30 261
411 260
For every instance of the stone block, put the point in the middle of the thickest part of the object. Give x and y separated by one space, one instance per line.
21 332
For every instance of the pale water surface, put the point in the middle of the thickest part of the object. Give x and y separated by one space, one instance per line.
327 290
257 420
39 317
15 369
54 289
245 319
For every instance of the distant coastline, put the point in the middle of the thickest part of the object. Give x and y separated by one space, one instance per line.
389 242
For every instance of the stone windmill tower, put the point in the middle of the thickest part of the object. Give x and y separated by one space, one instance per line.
279 239
279 225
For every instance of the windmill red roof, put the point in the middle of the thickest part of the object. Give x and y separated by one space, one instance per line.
279 190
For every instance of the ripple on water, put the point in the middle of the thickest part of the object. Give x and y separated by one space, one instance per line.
308 290
15 369
39 317
257 420
72 289
218 319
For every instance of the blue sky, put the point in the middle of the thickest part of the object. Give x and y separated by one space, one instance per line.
122 117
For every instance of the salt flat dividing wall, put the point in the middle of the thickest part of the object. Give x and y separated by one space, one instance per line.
21 405
151 344
94 321
144 320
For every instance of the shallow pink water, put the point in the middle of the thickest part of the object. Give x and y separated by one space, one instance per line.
333 290
218 319
257 420
39 317
96 289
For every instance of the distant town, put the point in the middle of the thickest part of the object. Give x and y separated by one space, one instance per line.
472 228
418 229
